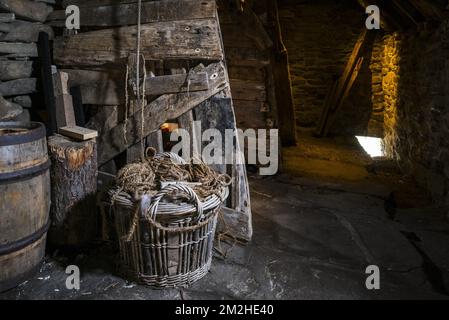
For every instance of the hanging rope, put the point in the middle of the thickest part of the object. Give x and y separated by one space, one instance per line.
140 99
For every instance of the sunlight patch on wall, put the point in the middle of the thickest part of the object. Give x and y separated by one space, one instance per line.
372 146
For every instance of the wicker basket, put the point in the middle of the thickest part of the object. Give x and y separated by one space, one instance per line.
170 244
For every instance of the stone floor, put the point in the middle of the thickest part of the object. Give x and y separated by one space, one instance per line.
317 227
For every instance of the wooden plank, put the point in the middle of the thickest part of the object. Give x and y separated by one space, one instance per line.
47 80
30 10
350 66
184 39
65 115
254 29
248 90
18 49
246 57
9 110
23 31
115 15
134 153
221 106
155 140
18 87
247 73
7 17
280 82
12 70
97 3
249 114
170 106
186 122
78 133
111 91
60 83
155 85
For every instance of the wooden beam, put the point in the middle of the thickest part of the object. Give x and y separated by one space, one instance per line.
18 87
125 14
7 17
218 113
170 106
428 9
18 49
334 99
246 57
333 114
102 88
184 39
29 10
254 29
97 3
9 110
12 70
24 31
281 81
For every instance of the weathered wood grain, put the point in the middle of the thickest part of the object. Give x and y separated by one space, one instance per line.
9 110
184 39
78 133
103 88
18 49
11 70
7 17
74 184
24 31
246 57
218 113
30 10
114 14
170 106
18 87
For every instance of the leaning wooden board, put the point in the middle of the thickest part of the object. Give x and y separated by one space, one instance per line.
183 39
169 106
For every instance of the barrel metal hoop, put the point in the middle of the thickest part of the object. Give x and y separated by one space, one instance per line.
24 173
24 242
36 132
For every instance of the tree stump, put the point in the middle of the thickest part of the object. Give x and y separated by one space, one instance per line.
73 190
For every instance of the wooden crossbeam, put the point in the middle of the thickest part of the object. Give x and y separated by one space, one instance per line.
114 13
337 93
428 9
169 106
103 88
183 39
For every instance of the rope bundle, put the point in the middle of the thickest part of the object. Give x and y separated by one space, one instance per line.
146 178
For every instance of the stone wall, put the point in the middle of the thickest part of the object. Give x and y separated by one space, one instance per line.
320 36
414 99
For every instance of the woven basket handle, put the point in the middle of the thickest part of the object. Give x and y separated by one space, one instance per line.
193 198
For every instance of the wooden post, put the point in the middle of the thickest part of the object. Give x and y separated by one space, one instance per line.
282 81
47 80
73 190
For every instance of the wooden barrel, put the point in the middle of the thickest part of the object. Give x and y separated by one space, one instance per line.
24 200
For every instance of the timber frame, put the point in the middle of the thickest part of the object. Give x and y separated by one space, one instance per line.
187 80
